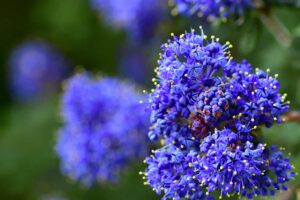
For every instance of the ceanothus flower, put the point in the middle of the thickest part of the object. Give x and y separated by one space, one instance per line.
232 166
221 165
212 9
137 17
169 174
199 88
36 69
105 129
205 109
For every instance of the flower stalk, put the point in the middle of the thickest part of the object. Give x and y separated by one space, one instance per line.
274 25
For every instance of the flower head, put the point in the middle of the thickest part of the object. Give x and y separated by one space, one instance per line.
101 135
137 17
36 68
168 173
232 166
199 88
212 9
222 164
205 108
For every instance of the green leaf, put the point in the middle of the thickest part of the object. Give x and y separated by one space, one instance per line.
26 147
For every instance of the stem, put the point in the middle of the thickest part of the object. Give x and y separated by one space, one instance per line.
293 116
273 24
287 194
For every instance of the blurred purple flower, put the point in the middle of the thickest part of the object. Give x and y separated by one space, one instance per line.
105 129
36 69
137 17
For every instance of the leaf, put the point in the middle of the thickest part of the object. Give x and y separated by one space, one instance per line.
26 147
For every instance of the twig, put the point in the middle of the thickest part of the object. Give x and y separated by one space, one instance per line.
287 194
293 116
276 28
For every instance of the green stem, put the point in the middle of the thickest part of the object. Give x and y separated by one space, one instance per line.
273 24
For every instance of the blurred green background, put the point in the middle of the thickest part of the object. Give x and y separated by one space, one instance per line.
29 168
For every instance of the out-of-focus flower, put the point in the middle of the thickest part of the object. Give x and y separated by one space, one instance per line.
105 129
36 69
137 17
212 9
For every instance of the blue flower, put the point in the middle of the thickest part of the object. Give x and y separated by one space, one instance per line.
231 166
137 17
186 66
212 9
105 129
36 69
222 164
199 88
205 109
168 173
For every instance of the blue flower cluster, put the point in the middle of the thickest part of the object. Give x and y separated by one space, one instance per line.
36 69
221 164
105 129
206 109
138 18
212 9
